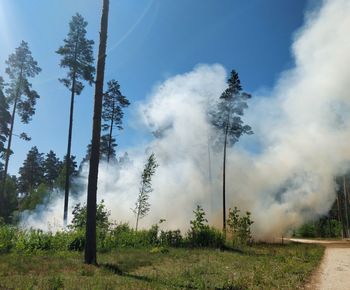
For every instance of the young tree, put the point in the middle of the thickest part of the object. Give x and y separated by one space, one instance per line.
229 124
77 57
20 67
31 174
142 205
112 114
90 246
52 167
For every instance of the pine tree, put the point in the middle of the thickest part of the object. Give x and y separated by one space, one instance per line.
52 167
227 120
61 179
112 113
5 120
105 149
31 174
142 206
90 245
77 57
20 67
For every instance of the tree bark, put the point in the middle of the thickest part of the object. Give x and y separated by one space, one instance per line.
68 155
90 246
110 134
8 150
346 207
224 185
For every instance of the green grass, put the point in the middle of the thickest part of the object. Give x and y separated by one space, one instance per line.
259 267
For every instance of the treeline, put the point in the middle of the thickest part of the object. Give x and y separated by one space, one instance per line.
39 174
336 223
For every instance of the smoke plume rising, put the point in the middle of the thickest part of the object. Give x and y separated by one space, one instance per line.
285 178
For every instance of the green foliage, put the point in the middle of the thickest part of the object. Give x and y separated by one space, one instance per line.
240 227
201 235
322 228
262 267
226 117
52 167
31 174
142 205
77 55
60 181
79 217
171 238
20 67
35 197
8 199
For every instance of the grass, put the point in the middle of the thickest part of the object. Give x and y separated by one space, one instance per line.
262 266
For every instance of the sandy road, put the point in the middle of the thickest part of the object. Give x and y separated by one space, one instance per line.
334 271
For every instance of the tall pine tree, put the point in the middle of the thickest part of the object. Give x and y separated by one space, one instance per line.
112 113
20 67
227 120
5 120
90 245
77 57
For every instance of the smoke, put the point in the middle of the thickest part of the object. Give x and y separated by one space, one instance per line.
284 173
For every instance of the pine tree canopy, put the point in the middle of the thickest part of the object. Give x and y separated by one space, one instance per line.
226 117
77 55
20 67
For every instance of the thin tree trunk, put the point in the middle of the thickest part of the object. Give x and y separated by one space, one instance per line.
224 185
340 219
90 246
68 155
8 150
110 135
137 220
346 207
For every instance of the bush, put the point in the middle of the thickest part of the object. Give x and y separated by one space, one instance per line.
240 227
171 238
201 235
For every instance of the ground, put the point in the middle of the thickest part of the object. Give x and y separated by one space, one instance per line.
259 267
334 270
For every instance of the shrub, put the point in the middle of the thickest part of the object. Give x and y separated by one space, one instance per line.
240 227
201 235
171 238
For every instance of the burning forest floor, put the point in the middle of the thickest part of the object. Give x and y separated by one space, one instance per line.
262 266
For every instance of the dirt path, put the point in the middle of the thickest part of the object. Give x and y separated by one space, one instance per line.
334 271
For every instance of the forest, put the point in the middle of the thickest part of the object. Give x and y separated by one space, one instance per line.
193 208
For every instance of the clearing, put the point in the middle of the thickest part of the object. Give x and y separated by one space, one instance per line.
262 266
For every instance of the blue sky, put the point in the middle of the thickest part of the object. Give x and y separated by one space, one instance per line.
148 41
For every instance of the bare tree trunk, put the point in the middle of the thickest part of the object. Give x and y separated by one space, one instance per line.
68 155
90 246
224 185
340 219
8 150
110 135
346 207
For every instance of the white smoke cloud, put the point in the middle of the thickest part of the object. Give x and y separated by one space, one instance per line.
301 133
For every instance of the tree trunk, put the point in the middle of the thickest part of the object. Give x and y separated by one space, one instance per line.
90 246
8 150
224 185
340 218
68 155
110 135
346 207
